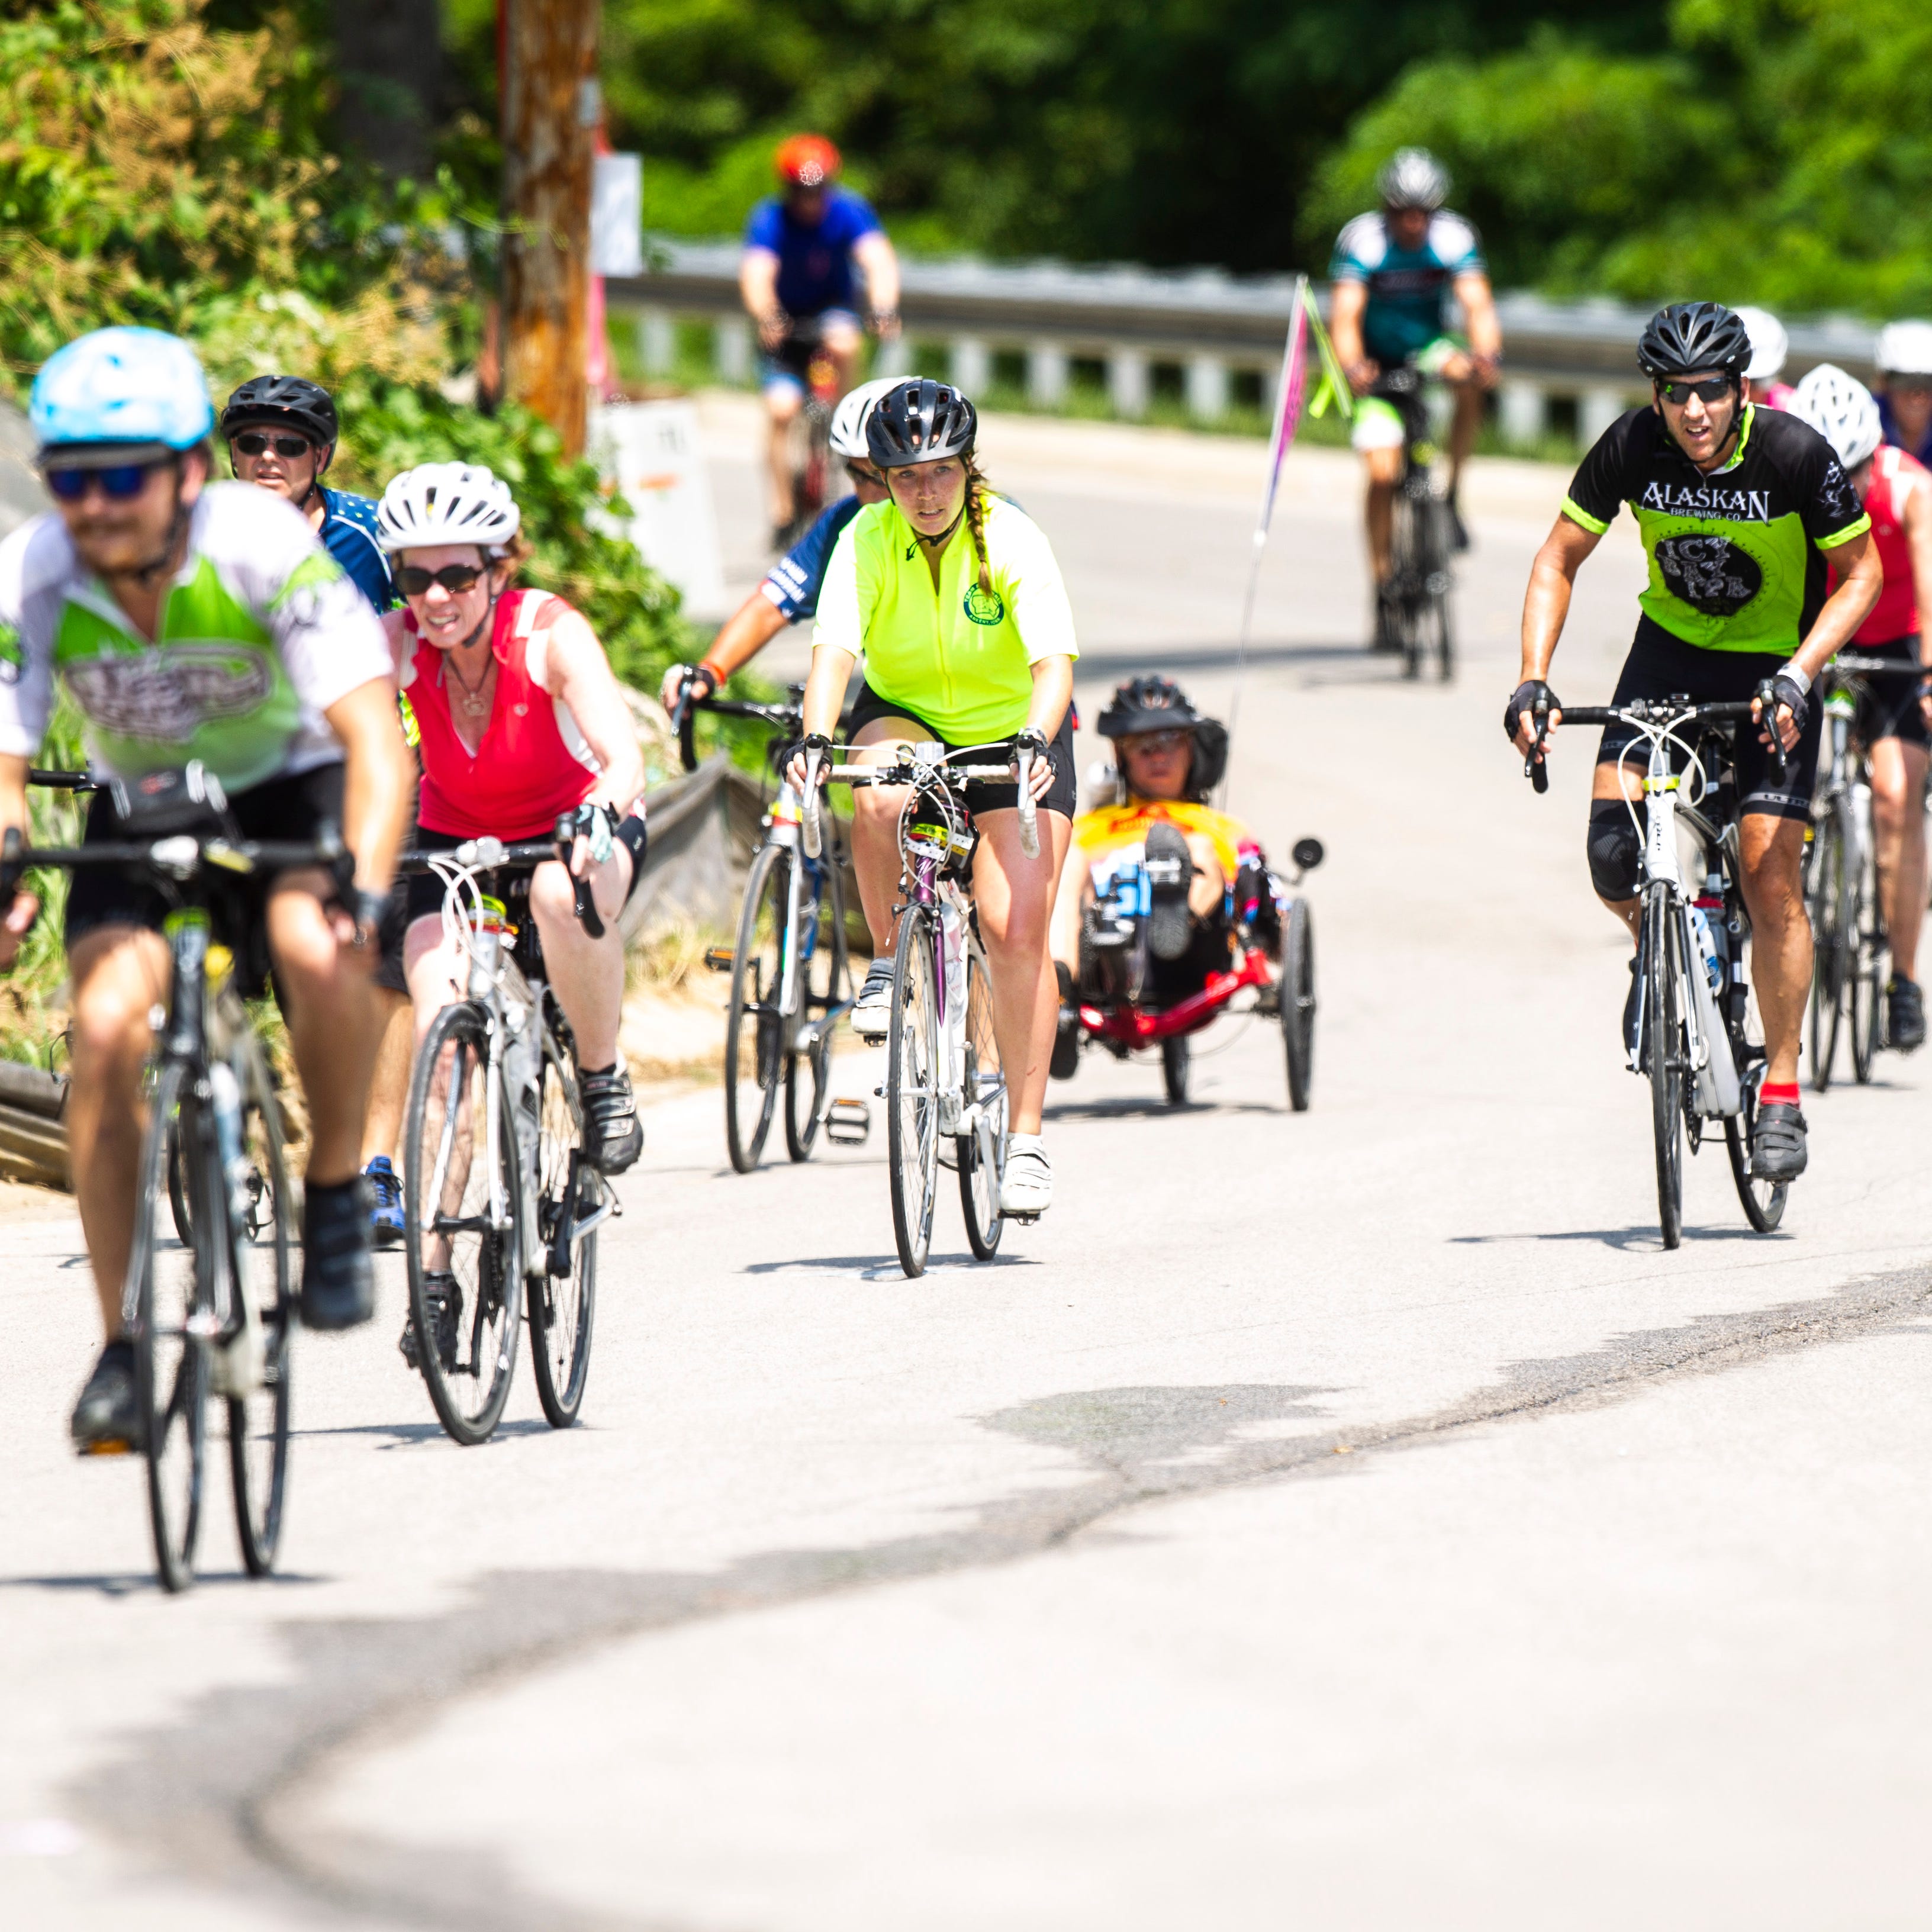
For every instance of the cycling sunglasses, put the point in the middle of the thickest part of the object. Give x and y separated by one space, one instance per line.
1712 389
412 580
119 483
254 442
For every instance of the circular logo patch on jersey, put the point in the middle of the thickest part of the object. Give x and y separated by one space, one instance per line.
1710 573
984 607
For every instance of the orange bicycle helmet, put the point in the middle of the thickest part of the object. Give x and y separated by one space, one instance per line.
806 160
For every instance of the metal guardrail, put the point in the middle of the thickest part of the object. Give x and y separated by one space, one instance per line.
1210 326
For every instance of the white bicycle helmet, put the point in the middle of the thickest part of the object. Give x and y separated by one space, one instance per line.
1842 410
1413 177
849 419
1904 349
1769 344
446 503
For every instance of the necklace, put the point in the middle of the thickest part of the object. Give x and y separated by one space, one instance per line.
472 703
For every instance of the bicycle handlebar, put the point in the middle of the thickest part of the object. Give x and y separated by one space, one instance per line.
1859 667
179 854
487 854
1668 712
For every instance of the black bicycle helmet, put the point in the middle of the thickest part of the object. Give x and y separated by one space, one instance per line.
920 421
1688 338
278 400
1147 704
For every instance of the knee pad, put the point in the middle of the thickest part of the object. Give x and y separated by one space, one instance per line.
1616 849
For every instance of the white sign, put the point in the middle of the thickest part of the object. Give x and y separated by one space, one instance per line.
617 215
649 452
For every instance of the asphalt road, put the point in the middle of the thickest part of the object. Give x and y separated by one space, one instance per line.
1346 1518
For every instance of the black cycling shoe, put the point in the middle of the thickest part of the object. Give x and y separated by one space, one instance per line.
444 1294
1066 1060
1778 1143
1388 630
338 1288
107 1419
1459 534
1170 871
1631 1004
1905 1014
613 1136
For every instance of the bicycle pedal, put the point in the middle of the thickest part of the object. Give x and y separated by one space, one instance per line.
1022 1220
720 958
848 1122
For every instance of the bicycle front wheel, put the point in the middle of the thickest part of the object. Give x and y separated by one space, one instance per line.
754 1042
466 1282
261 1224
912 1089
1825 890
822 976
1177 1067
1865 967
1297 1002
1433 630
564 1299
170 1291
983 1153
1663 1058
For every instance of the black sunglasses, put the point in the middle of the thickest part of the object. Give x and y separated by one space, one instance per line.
253 442
1712 389
412 580
124 480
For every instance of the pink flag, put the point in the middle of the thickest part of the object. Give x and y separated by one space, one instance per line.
1288 401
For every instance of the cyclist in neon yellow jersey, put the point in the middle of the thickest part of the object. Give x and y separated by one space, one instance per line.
953 596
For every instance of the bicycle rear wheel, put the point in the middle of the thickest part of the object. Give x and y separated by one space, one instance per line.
466 1284
170 1295
983 1153
563 1300
1664 1058
754 1044
1297 1002
822 985
912 1089
1825 892
1177 1060
262 1249
1763 1201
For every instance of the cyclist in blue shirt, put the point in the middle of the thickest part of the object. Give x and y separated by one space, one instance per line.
281 433
1903 354
1393 273
800 250
789 594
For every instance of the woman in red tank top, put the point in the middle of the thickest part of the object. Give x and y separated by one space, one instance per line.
520 719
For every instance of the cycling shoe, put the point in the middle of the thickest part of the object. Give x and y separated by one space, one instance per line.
444 1294
338 1289
107 1419
1778 1151
613 1136
872 1010
1905 1014
1170 872
1633 1003
1026 1188
1066 1060
385 1218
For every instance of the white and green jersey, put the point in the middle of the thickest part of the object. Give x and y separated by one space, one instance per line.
258 634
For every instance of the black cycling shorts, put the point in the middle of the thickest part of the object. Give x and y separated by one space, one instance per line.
1889 707
1660 665
982 795
424 891
290 809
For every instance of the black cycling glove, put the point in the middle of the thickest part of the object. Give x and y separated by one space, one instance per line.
1526 697
1786 690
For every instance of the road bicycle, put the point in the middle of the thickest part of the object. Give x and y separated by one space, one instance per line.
1698 1039
487 1227
943 1076
790 975
804 353
210 1310
1412 612
1851 960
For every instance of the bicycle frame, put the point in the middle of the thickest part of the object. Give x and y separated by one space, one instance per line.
784 829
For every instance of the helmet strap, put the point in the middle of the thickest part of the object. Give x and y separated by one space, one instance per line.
945 535
145 573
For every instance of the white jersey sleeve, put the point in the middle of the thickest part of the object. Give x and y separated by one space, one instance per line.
1029 573
35 564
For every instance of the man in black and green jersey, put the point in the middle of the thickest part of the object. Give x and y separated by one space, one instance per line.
1738 508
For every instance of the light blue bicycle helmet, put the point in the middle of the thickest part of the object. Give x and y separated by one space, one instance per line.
117 395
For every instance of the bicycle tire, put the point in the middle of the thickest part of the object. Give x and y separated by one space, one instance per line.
1664 1060
912 1090
752 1024
1177 1060
169 1283
263 1270
982 1154
1866 949
1432 619
825 977
1405 574
184 1218
1825 891
1763 1201
469 1386
1297 1002
562 1308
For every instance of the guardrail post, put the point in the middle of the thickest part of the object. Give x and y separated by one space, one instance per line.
1047 374
1127 382
970 365
657 341
1207 387
1596 410
731 348
1521 412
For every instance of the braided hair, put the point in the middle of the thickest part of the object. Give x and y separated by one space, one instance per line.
977 490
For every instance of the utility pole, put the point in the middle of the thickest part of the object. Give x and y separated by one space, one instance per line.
552 109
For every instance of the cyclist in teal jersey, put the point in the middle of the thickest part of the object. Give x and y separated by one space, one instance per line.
197 622
1393 273
1738 507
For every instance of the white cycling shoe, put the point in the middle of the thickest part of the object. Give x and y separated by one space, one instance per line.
871 1014
1026 1188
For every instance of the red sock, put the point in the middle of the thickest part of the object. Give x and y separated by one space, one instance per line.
1769 1095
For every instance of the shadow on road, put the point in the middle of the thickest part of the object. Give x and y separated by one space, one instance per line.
877 1268
1622 1239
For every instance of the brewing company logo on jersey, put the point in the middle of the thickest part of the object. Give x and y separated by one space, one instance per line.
1707 500
984 607
164 695
1710 573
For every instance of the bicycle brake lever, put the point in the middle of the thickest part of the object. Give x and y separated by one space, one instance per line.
564 832
1535 767
1766 695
